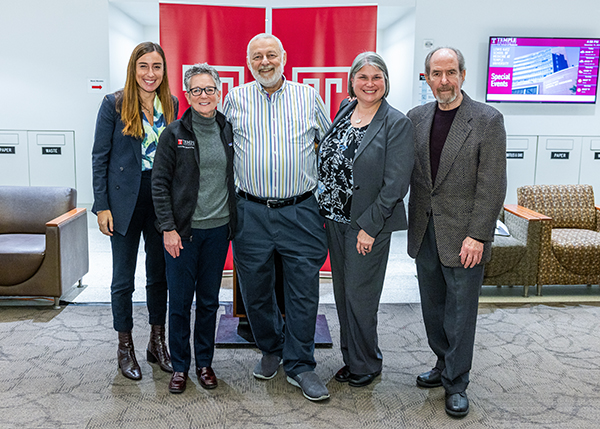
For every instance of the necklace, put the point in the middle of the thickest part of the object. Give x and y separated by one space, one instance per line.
368 115
146 99
358 120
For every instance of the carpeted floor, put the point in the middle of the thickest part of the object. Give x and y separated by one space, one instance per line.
535 367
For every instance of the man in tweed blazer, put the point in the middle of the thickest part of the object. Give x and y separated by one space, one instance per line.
457 190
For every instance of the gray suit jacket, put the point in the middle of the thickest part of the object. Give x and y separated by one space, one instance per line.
382 168
470 185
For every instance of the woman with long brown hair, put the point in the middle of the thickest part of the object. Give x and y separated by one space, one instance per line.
129 124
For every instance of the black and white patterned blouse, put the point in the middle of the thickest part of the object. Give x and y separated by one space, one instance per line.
336 156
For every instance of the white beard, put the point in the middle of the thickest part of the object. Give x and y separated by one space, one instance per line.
268 83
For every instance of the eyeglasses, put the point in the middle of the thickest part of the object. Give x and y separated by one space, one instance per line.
210 90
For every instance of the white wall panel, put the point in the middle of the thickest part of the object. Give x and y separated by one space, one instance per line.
14 158
521 152
590 165
558 160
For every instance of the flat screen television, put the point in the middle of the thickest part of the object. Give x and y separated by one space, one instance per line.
542 70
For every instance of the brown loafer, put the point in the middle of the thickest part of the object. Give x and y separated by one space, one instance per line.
207 377
178 382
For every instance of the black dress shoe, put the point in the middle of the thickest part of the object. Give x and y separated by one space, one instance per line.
430 379
178 382
457 404
362 380
207 377
343 375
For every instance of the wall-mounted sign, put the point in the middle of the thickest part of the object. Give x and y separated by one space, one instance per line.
515 155
96 85
51 151
7 149
559 155
425 93
597 155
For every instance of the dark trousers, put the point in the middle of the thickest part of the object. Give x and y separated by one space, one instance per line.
124 255
198 269
357 286
449 300
296 232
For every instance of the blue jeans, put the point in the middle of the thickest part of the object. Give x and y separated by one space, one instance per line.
297 233
198 269
124 256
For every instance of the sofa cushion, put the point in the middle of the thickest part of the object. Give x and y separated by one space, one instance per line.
577 250
506 253
26 209
569 206
21 255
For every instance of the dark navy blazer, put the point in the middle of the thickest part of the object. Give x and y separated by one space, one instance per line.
116 166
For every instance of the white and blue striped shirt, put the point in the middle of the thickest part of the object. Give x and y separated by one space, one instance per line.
274 138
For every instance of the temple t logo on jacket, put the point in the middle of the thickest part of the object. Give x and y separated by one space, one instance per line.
185 144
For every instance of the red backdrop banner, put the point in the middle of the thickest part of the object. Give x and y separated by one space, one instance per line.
321 43
322 52
218 35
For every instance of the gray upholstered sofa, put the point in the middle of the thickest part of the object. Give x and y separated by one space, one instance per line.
43 241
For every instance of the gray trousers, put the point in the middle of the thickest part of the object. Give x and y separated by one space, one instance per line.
296 232
357 286
449 301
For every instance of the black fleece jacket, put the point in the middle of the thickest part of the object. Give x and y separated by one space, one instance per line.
176 175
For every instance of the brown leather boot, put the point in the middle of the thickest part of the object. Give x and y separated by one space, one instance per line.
157 351
126 357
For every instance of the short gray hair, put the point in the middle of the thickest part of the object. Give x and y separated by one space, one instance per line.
372 59
265 36
203 68
459 57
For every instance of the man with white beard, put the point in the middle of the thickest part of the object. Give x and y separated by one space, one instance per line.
276 124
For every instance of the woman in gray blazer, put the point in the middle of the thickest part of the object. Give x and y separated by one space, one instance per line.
365 164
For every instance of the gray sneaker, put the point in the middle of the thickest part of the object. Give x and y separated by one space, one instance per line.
267 366
312 386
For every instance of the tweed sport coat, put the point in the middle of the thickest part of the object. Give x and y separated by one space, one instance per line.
470 185
382 168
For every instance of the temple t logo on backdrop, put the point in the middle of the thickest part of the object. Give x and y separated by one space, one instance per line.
320 55
329 82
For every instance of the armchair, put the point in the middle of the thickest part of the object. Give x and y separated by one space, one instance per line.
43 241
515 258
570 240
